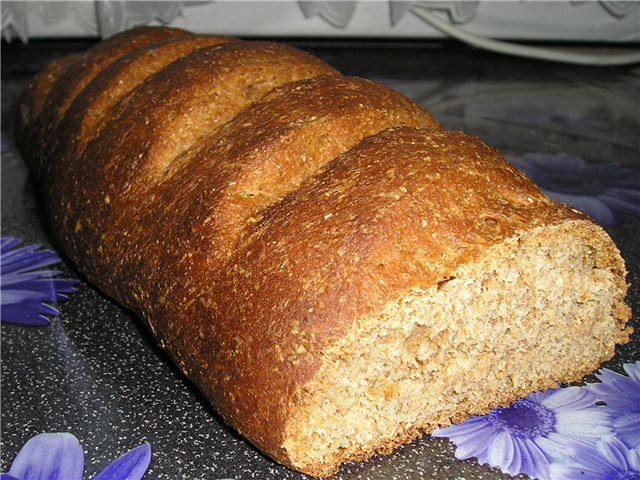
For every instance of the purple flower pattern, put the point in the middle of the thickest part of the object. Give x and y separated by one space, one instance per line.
608 460
25 287
527 436
602 192
588 432
621 394
59 456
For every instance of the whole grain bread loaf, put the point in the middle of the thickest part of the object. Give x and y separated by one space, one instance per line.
333 270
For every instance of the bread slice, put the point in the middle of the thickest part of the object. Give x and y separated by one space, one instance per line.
334 271
433 356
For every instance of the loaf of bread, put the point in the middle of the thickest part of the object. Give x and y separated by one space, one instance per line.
334 271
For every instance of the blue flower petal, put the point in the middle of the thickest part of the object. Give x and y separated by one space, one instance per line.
471 437
14 278
614 453
467 429
27 259
478 448
24 288
587 463
8 243
609 459
559 471
27 313
631 193
627 429
49 456
558 399
600 191
472 424
633 459
10 297
130 466
502 452
624 202
41 290
633 370
619 392
533 457
6 476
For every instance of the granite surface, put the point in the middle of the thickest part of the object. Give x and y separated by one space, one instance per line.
96 372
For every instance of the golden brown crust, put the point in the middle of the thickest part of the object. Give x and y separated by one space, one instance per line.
252 205
163 117
72 79
79 73
253 161
34 96
83 118
323 251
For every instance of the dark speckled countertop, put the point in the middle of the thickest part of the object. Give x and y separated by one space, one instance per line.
96 372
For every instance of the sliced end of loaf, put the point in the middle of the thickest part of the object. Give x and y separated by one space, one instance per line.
533 311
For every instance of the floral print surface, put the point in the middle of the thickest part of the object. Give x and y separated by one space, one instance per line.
602 192
621 395
26 287
568 433
529 434
59 456
608 460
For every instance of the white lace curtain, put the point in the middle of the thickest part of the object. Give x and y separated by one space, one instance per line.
88 18
557 20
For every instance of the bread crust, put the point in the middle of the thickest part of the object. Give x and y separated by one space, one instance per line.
251 162
34 96
163 117
84 117
71 79
255 207
331 253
